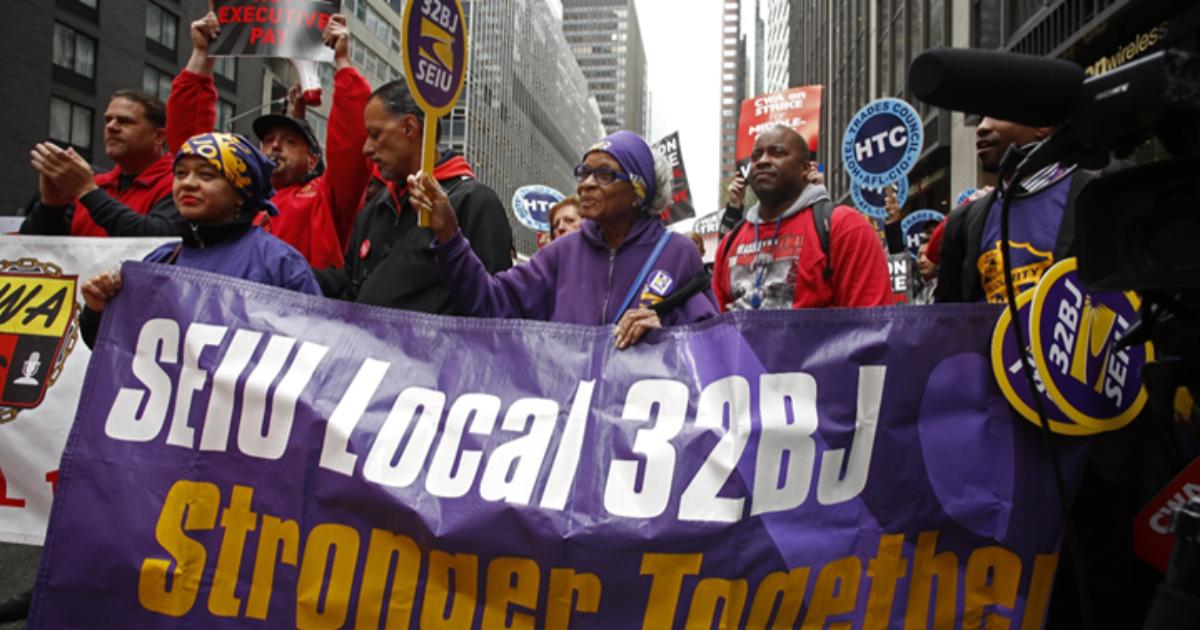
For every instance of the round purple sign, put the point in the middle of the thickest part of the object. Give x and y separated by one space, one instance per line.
435 53
1073 337
1006 366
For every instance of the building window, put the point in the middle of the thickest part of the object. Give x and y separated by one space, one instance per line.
74 51
91 4
155 82
161 26
226 67
225 113
71 124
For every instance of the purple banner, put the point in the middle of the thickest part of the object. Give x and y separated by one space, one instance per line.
247 454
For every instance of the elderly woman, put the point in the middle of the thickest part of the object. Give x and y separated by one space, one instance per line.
611 271
221 183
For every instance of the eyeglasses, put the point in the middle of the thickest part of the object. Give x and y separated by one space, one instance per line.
604 175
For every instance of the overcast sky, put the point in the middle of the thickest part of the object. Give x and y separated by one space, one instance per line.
683 54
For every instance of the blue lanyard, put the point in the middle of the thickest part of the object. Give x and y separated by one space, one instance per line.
759 273
641 277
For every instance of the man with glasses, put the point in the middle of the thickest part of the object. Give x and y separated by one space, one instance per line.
389 261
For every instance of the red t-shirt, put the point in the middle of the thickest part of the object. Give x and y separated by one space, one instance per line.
787 269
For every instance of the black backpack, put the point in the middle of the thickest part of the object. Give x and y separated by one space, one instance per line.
822 218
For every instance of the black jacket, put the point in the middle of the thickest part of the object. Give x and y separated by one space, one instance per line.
396 267
116 218
958 276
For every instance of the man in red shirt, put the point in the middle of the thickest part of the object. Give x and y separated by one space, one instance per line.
316 207
133 199
774 259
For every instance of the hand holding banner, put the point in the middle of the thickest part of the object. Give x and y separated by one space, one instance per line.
435 66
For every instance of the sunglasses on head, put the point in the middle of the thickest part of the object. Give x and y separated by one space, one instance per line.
604 175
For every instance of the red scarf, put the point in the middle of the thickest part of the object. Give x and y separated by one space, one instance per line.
453 168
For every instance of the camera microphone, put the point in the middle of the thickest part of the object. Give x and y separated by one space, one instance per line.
1024 89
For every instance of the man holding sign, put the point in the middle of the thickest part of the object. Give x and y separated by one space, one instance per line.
389 261
316 207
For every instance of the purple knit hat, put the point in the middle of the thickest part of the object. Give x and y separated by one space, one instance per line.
635 157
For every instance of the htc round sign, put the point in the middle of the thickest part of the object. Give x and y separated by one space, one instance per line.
435 53
883 142
531 205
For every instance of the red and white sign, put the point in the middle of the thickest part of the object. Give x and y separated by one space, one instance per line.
798 108
1152 537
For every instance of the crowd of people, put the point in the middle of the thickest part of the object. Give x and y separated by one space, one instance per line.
348 210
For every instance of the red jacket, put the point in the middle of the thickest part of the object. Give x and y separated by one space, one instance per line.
314 217
786 270
148 188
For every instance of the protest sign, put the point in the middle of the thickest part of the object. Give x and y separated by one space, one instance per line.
531 205
39 276
882 142
900 268
1153 539
872 200
435 67
246 453
798 108
914 228
291 29
680 206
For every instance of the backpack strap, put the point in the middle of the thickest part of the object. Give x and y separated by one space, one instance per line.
727 242
823 219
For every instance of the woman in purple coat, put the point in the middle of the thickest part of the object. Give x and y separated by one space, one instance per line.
613 271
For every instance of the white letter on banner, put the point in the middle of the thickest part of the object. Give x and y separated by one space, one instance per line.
192 378
441 480
378 467
251 439
512 470
158 336
699 502
779 437
566 460
831 489
621 496
335 454
215 436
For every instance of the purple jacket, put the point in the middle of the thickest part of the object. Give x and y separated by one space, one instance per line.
253 255
577 279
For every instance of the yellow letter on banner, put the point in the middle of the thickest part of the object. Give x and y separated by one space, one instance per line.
194 505
887 567
277 536
237 520
926 566
1003 567
708 593
668 570
438 592
835 593
510 581
383 547
564 585
790 586
343 541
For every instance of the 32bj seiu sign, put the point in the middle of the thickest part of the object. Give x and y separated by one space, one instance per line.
244 454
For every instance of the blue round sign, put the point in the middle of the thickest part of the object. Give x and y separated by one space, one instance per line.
964 197
872 201
912 225
531 205
883 142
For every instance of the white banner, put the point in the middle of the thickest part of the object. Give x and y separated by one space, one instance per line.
42 362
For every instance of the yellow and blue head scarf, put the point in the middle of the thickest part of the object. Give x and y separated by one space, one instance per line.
246 168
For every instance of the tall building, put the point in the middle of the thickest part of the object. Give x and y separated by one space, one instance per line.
733 71
528 114
775 46
860 50
607 42
64 60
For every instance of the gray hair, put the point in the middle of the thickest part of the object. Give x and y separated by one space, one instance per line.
662 184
